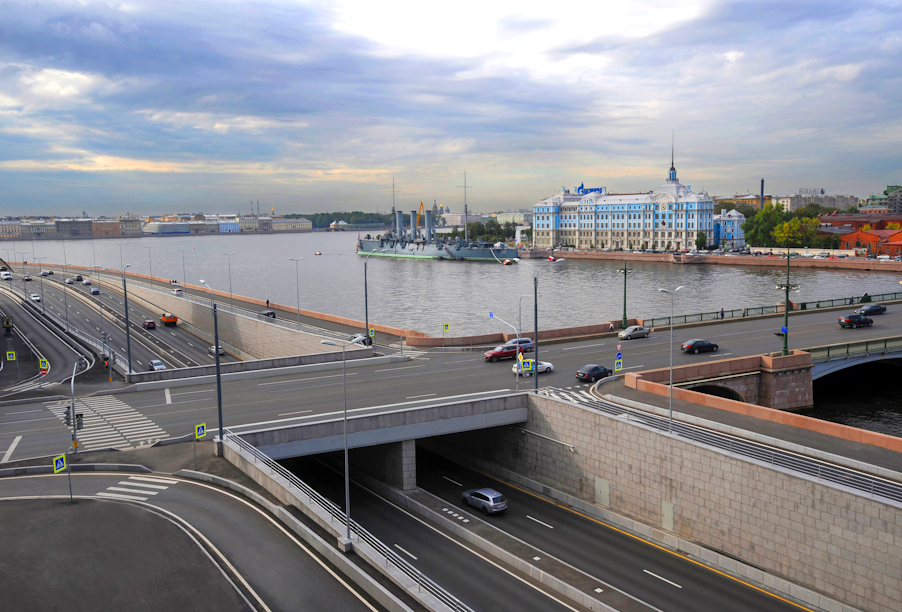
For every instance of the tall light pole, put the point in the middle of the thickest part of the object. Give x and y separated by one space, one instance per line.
128 334
344 383
66 285
516 331
41 276
216 354
119 244
24 290
624 270
229 255
184 278
672 293
297 278
366 304
149 263
786 287
535 340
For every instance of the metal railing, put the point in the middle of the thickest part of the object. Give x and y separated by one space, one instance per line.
739 313
881 345
788 461
336 513
247 314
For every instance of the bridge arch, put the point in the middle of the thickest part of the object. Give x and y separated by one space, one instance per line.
719 391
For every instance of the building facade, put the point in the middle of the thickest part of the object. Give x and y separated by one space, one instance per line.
792 203
728 229
37 229
229 225
130 225
292 225
668 218
74 228
166 228
10 229
106 227
513 217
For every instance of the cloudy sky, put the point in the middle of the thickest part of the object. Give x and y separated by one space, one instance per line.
191 105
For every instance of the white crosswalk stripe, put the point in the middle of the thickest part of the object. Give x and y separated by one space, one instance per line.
137 488
110 423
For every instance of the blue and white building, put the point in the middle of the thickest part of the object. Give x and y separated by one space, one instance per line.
668 218
728 229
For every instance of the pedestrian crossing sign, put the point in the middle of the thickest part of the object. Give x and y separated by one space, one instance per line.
526 365
59 464
372 332
10 355
45 365
618 365
200 430
447 326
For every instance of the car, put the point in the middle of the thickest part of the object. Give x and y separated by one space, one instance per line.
855 320
527 344
698 346
149 324
49 272
78 277
544 366
212 350
592 372
69 281
506 351
871 310
267 313
488 501
634 331
45 273
174 282
177 292
26 278
86 281
35 297
883 257
360 339
157 365
95 291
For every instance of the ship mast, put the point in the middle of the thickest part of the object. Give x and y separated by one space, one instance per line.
466 215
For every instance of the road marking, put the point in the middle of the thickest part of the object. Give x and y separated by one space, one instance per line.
633 367
454 481
191 345
721 354
154 479
141 484
193 392
282 382
168 395
119 496
394 369
173 333
664 579
124 490
416 396
539 522
23 412
139 363
405 552
298 412
574 348
9 451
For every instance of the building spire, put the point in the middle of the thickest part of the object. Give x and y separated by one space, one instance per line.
672 176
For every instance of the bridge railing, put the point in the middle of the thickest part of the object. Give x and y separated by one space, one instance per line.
739 313
855 348
423 581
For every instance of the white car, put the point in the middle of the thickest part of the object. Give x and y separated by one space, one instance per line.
176 292
156 364
35 297
86 282
634 331
544 366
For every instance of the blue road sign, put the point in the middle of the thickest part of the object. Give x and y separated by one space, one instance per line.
372 332
618 365
619 355
59 464
200 430
448 326
491 315
784 329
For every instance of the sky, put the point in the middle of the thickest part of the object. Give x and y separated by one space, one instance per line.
195 106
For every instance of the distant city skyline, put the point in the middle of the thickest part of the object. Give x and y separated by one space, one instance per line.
196 106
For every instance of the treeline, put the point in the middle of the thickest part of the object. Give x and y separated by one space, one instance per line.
322 220
490 231
771 226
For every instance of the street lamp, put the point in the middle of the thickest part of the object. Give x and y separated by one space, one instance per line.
344 384
535 340
624 270
184 278
41 276
23 254
216 354
516 331
149 263
128 334
66 286
366 304
297 279
672 293
786 287
229 255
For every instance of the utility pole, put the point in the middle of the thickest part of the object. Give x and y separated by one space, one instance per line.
786 287
625 271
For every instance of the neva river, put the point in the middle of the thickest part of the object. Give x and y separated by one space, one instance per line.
424 294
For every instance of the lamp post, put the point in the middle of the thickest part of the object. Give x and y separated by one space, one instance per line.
297 279
535 340
231 303
128 334
66 286
149 263
366 303
184 278
672 293
624 270
344 383
41 276
786 287
516 331
216 354
24 290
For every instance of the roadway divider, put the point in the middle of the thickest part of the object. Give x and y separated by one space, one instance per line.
76 467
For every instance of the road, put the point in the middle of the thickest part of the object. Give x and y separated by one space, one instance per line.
278 567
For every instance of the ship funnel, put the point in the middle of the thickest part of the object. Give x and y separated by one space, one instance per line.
429 230
413 226
399 224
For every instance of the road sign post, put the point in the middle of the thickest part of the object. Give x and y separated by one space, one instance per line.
199 432
60 464
445 328
11 356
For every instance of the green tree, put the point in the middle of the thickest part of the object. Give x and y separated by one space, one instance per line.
852 210
759 229
701 240
795 232
894 225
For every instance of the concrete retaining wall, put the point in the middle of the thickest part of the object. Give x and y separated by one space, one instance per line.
835 543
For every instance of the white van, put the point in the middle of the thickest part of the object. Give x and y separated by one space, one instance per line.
6 276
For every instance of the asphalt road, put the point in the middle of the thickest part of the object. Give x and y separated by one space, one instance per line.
280 569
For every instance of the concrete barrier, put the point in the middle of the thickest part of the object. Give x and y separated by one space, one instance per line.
76 467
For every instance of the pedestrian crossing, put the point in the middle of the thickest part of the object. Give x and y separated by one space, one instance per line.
566 394
137 488
110 423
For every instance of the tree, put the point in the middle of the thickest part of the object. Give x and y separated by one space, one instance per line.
701 240
852 210
866 227
894 225
795 232
759 229
526 235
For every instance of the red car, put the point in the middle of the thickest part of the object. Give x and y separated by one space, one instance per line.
148 324
508 351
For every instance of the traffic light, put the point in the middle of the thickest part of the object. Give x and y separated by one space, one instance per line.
79 422
106 361
68 417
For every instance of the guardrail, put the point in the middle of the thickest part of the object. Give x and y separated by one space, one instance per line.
739 313
423 581
785 460
247 314
880 345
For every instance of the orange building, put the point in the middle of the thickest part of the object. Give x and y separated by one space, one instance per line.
106 227
874 241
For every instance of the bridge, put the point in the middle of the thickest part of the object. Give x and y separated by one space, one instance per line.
835 357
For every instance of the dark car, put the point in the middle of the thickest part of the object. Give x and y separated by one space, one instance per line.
871 310
507 351
267 313
855 320
148 324
592 372
49 272
698 346
526 343
489 501
78 277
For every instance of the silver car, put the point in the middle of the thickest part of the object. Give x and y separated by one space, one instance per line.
156 365
489 501
634 331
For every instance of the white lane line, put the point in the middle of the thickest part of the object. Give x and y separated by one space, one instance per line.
283 382
124 490
454 481
664 579
118 496
574 348
23 412
168 395
395 369
633 367
154 479
416 396
193 392
9 451
539 522
298 412
142 484
721 354
405 552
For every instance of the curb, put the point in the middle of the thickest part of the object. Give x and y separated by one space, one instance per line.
80 467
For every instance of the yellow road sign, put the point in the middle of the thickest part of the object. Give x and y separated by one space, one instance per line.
59 464
448 325
200 430
45 365
10 355
618 365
